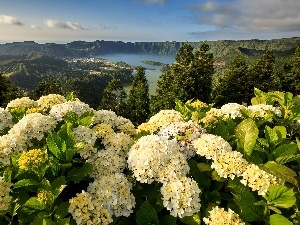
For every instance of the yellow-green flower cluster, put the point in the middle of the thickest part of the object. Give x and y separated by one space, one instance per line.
102 130
50 100
5 119
218 216
211 117
257 179
5 199
32 159
84 211
180 196
184 133
24 102
163 118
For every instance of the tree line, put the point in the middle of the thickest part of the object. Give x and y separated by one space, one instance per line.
191 76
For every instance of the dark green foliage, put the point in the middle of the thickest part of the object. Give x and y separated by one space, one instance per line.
291 76
8 91
46 87
113 97
239 80
138 101
190 77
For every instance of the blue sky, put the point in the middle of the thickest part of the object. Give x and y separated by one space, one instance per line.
63 21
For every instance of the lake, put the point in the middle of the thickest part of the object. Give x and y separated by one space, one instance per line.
152 72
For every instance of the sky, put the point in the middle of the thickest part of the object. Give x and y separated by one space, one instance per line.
63 21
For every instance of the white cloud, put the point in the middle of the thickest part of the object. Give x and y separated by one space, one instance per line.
9 20
35 27
246 17
68 25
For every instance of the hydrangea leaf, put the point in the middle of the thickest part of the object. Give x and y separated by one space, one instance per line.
277 219
25 182
167 220
247 133
191 220
281 196
280 171
78 173
249 211
146 215
276 135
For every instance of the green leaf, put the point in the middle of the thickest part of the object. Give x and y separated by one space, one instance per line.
146 215
54 143
281 196
78 173
204 167
33 204
285 150
58 186
249 211
62 210
277 219
191 220
48 221
167 220
276 135
65 221
247 133
280 171
236 187
86 119
221 130
213 197
25 182
20 196
288 158
70 152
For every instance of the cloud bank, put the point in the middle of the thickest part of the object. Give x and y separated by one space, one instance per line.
68 25
246 17
9 20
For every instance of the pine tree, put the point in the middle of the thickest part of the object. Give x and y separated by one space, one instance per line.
137 105
231 87
113 97
190 77
8 91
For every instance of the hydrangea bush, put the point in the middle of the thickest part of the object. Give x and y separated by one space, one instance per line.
62 162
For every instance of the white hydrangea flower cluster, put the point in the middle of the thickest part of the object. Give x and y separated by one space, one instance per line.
10 143
25 102
155 158
5 199
261 110
19 137
84 211
60 110
232 110
163 118
218 216
113 192
50 100
84 134
184 133
106 116
106 162
257 179
33 125
181 196
5 119
119 142
230 164
211 146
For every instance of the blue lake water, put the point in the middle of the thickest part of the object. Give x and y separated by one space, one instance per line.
152 72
